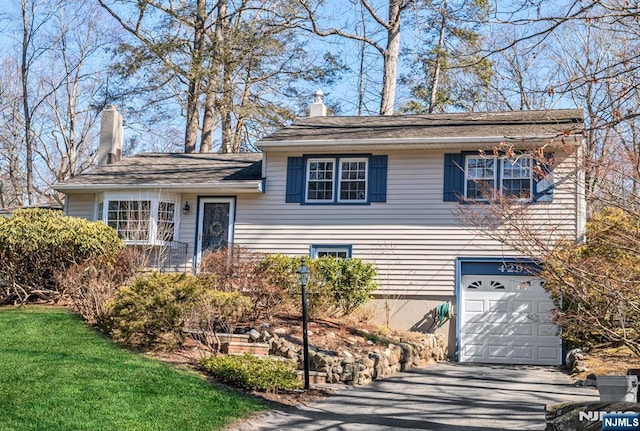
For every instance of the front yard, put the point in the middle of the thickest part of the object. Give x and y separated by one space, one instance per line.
57 373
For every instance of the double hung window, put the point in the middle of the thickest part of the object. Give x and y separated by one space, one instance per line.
340 179
487 176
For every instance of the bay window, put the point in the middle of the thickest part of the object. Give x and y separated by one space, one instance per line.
148 219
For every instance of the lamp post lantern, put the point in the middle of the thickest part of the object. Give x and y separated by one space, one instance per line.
303 273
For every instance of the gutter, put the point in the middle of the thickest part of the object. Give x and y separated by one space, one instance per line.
432 142
236 186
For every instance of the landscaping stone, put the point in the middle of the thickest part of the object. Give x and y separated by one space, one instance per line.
359 368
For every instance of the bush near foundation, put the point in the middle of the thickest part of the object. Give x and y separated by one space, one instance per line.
91 284
250 372
152 311
336 288
38 244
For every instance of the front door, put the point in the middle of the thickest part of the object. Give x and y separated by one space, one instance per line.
215 225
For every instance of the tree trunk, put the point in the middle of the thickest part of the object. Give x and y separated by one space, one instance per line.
225 103
208 121
438 61
390 59
195 77
26 110
225 107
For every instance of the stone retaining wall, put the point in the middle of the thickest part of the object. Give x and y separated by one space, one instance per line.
360 368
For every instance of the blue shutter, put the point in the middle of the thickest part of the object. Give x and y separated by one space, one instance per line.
378 179
453 177
543 180
295 180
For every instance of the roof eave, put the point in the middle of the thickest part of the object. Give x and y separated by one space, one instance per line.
253 186
434 143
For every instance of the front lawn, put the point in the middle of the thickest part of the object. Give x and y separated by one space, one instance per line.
56 373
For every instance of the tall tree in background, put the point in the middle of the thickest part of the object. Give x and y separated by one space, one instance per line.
12 178
74 88
227 55
34 17
53 75
388 19
454 74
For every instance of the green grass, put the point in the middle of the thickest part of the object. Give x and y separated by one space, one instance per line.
56 373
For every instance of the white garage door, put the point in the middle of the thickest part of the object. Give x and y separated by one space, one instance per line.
507 320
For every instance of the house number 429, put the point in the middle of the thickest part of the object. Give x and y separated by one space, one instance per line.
510 268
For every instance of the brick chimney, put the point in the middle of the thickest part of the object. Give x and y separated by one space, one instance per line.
317 107
111 137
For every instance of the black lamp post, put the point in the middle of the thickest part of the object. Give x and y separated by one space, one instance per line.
303 273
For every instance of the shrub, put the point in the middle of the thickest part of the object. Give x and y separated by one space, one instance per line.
250 372
349 281
336 286
255 276
272 288
595 285
218 311
151 312
91 284
37 244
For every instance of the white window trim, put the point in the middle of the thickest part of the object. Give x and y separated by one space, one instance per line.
366 178
498 177
308 180
502 178
316 249
466 177
155 198
337 173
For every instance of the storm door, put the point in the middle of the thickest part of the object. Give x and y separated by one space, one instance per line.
215 224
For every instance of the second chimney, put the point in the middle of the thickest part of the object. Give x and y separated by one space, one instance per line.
317 107
111 137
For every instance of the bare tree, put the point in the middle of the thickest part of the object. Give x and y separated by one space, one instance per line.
34 17
389 21
226 54
73 90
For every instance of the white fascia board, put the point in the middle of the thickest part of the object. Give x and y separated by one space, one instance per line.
222 187
430 142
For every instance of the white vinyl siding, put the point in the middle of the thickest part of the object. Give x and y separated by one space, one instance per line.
413 238
82 206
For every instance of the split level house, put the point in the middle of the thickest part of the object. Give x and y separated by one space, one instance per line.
391 190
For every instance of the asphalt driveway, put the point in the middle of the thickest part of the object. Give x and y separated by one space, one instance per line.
447 396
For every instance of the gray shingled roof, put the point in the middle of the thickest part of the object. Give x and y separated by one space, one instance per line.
429 126
158 169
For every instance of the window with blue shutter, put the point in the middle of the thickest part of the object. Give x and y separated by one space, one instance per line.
453 177
295 180
543 180
378 179
336 179
472 177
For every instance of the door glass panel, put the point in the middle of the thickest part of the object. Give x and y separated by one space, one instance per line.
215 226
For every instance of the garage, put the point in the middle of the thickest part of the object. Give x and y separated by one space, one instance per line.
506 319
